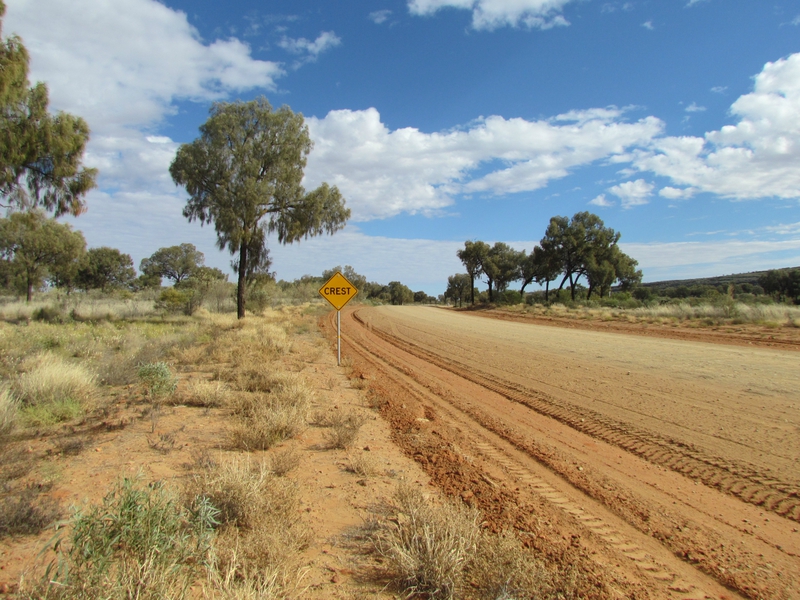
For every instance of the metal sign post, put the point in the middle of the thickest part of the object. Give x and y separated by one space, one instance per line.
338 291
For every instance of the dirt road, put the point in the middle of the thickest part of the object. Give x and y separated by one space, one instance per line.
668 469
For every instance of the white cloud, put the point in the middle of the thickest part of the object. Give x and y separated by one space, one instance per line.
602 201
648 25
755 158
130 60
719 89
693 107
672 193
796 20
633 193
380 16
311 50
679 254
491 14
383 173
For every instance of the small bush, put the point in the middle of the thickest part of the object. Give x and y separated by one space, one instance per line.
284 461
363 464
24 512
157 379
48 314
343 430
139 543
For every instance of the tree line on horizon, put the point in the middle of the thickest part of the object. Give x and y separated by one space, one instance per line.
572 249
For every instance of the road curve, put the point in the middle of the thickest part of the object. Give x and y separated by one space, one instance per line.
680 457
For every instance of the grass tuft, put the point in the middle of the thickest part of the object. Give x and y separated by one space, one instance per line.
427 546
265 420
343 430
9 409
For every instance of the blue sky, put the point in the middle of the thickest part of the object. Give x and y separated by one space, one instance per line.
676 121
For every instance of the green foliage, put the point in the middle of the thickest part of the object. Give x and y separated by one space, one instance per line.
399 293
37 247
105 268
783 285
157 379
244 174
459 286
359 281
177 263
472 256
40 153
139 543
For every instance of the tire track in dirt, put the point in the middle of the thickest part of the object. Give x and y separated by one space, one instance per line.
738 480
496 446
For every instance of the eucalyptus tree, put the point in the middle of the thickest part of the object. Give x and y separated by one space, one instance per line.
40 153
244 174
36 247
177 263
501 266
105 268
458 286
473 255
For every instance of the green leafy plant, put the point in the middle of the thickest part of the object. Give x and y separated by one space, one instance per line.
157 379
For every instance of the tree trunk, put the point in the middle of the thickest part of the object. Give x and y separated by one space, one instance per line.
240 288
547 291
29 289
472 288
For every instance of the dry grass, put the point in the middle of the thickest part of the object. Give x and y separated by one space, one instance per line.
363 464
51 389
25 511
343 429
209 394
260 534
284 461
427 546
9 408
265 420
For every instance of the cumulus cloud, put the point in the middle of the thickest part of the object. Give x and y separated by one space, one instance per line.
601 201
755 158
384 173
693 107
308 49
719 89
633 193
492 14
672 193
648 25
132 60
380 16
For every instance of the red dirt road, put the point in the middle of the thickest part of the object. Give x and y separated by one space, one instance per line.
664 468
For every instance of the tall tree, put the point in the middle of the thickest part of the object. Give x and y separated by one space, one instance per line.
473 255
399 293
358 280
40 153
105 268
578 245
177 263
501 266
244 174
457 287
37 247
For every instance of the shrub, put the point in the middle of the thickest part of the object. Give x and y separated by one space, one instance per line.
24 512
210 394
157 379
139 543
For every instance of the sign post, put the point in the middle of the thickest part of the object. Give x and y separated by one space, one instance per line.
338 291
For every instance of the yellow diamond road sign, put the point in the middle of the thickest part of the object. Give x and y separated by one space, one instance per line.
338 291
